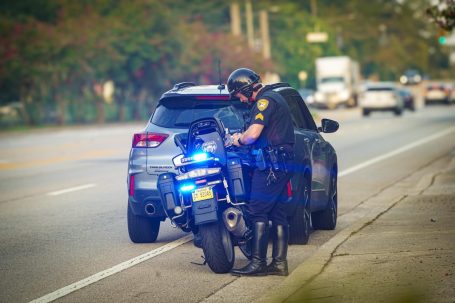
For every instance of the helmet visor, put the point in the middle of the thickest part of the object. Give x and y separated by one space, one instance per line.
245 90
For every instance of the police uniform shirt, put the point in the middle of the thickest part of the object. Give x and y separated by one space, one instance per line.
276 117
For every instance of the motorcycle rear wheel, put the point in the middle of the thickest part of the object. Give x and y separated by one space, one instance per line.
217 246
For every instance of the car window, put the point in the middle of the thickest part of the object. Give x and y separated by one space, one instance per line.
296 113
308 118
180 112
332 80
404 93
372 89
301 116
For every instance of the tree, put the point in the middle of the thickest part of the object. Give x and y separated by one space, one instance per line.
443 14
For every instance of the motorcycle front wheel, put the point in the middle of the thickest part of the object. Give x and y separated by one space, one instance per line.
217 246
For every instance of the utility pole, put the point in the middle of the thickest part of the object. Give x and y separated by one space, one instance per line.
314 8
236 23
249 24
265 34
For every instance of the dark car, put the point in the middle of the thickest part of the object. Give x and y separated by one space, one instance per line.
313 186
408 98
411 77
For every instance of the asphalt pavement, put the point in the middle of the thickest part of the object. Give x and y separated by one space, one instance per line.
401 250
63 211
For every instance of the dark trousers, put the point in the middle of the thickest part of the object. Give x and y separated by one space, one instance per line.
267 201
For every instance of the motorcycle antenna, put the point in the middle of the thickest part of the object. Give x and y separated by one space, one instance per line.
221 86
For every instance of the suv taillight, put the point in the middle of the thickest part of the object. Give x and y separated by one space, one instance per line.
148 139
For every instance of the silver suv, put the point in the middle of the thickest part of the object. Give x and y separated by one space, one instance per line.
313 189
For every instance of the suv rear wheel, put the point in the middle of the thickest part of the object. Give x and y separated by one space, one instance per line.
142 229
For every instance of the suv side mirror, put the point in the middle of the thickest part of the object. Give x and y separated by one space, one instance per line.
328 126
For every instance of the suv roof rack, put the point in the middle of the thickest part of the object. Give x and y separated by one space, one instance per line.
181 85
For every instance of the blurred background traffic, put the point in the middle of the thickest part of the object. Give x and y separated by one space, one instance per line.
77 62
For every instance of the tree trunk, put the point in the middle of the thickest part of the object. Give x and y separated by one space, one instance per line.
61 109
23 112
100 112
140 100
121 112
120 100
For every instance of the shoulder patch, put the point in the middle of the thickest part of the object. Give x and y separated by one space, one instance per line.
262 104
259 117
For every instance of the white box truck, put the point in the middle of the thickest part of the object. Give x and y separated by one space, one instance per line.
337 80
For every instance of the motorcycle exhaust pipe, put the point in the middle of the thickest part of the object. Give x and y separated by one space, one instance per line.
150 209
234 221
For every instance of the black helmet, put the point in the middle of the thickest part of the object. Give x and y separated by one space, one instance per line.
242 80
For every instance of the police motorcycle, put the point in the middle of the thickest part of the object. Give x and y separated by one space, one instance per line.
208 195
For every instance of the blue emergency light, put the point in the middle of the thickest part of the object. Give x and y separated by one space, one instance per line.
187 187
200 156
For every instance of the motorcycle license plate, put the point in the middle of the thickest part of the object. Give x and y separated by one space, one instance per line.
203 193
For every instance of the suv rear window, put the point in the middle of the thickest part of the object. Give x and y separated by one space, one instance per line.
180 112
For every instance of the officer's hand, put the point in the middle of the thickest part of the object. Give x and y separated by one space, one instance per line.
235 139
228 140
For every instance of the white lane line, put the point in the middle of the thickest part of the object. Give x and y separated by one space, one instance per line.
71 189
395 152
111 271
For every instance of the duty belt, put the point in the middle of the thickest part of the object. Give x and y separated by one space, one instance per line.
273 157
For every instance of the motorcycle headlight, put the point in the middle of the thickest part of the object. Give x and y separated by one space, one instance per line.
199 172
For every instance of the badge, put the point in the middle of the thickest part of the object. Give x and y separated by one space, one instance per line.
259 117
262 104
209 147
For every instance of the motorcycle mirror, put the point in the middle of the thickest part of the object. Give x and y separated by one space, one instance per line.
177 160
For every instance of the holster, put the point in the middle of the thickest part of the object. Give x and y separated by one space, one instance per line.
260 160
276 158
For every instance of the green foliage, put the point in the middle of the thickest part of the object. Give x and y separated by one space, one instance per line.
289 27
55 55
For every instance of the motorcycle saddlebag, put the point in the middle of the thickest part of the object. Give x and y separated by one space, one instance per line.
238 185
168 192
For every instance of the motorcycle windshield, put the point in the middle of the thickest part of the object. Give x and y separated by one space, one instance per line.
212 143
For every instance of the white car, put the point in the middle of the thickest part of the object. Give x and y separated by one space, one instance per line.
437 92
381 96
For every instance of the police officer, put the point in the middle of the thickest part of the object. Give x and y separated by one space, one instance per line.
270 127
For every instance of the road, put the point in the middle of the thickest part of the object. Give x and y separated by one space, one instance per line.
63 208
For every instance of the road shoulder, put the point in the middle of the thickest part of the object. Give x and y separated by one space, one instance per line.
336 270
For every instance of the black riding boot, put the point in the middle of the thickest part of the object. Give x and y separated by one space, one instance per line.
279 264
258 263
